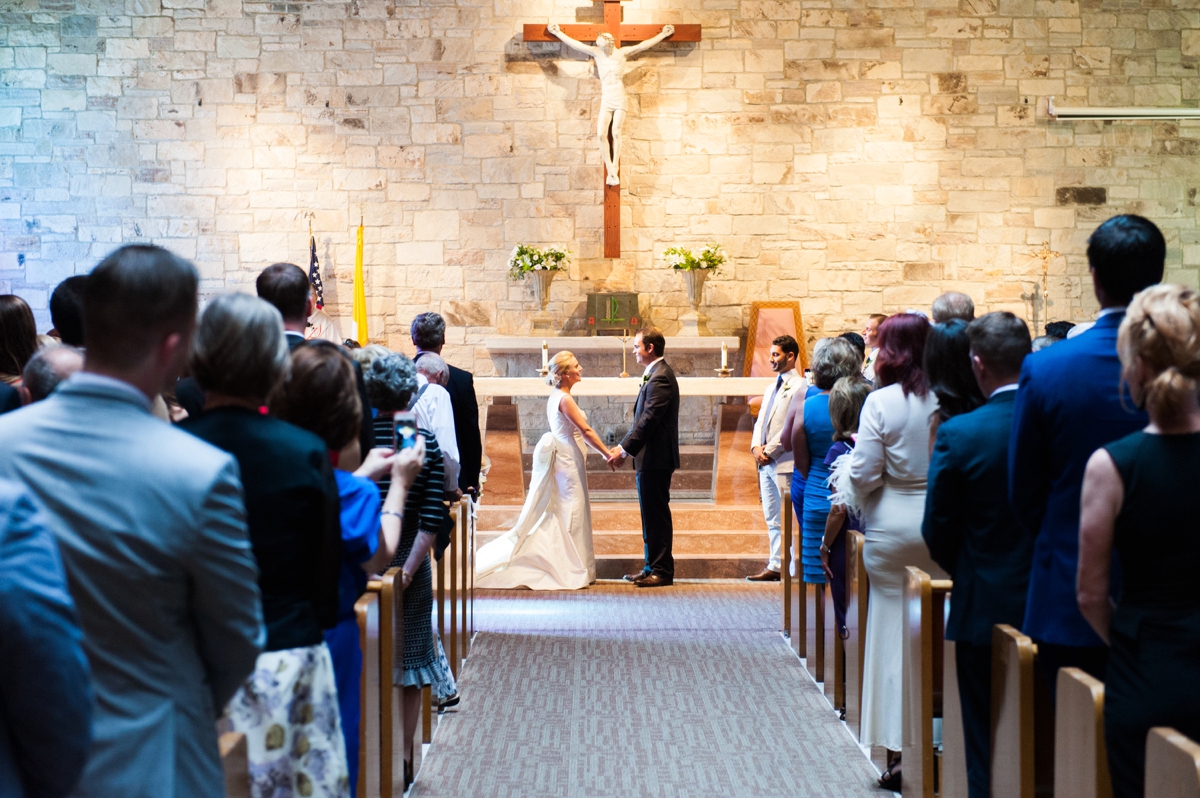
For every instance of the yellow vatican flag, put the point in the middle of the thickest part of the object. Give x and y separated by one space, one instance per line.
360 290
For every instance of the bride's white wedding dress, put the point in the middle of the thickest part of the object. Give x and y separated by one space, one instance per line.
550 548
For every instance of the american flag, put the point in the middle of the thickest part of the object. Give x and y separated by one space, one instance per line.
314 273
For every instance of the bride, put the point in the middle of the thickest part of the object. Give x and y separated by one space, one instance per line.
550 548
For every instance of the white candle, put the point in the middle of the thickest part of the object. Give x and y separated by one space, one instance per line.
724 355
545 355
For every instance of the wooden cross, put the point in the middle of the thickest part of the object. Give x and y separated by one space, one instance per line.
621 33
1042 292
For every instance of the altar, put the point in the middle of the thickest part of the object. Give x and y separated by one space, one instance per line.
608 398
719 530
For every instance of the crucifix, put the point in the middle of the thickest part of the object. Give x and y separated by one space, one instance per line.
611 67
1040 295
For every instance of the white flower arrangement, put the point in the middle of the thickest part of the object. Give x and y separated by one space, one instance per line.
709 259
524 259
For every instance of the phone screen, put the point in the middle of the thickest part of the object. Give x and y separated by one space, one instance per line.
404 434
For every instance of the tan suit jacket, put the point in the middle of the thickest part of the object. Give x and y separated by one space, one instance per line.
793 384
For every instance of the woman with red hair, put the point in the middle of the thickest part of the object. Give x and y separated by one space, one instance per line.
883 482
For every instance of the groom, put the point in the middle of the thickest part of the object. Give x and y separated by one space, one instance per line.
653 442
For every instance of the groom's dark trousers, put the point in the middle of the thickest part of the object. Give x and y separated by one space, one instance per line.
654 497
653 442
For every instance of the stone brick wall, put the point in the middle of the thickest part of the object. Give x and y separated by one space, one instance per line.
856 155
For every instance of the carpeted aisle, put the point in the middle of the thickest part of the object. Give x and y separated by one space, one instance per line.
613 691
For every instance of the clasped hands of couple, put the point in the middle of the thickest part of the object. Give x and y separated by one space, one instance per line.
616 457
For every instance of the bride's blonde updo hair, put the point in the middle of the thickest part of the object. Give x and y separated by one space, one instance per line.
1162 327
558 366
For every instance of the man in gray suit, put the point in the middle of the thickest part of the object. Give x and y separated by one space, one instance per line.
151 526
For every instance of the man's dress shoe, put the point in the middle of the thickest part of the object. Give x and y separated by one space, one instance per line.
635 576
767 575
653 580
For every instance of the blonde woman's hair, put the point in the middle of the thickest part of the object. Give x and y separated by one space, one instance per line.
558 366
368 354
1162 327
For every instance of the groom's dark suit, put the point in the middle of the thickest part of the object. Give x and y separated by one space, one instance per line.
653 443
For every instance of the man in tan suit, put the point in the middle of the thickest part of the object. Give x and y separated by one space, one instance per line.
774 464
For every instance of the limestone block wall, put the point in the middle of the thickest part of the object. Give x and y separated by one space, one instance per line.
855 155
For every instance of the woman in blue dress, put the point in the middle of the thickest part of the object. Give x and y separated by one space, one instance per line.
811 440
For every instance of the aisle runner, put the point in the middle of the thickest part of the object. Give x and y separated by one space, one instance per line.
685 691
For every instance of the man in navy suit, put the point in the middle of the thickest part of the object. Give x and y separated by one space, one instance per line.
973 533
653 443
1069 405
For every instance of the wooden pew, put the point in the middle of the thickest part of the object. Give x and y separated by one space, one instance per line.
835 671
366 610
857 592
463 537
1172 765
1080 758
786 580
795 605
235 762
1013 687
814 622
952 774
923 685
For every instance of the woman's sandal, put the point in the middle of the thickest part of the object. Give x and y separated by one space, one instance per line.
890 780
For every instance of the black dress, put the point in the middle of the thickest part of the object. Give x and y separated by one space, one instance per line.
292 512
424 509
1154 666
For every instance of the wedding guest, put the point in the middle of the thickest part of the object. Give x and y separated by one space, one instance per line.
392 380
432 404
321 397
18 338
857 342
1138 498
1059 330
774 463
870 334
286 286
152 534
953 305
970 528
66 310
45 683
884 483
1070 404
810 443
239 358
428 332
48 367
846 400
948 367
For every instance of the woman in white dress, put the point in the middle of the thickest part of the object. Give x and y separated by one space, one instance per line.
550 548
883 480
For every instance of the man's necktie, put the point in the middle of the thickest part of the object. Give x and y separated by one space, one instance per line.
767 412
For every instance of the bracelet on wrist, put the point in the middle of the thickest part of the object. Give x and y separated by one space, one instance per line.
392 512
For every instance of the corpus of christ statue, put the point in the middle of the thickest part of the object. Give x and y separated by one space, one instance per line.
611 65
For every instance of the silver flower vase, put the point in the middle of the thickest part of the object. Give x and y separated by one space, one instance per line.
542 321
694 322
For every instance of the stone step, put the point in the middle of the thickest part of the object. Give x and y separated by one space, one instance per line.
626 517
700 543
687 566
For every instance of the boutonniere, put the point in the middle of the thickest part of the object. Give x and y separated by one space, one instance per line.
645 378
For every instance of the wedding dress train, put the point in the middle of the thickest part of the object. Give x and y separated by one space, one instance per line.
550 547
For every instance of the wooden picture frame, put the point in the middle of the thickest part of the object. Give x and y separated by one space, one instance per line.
768 326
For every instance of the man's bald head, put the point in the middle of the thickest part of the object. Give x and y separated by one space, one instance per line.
434 369
953 305
48 367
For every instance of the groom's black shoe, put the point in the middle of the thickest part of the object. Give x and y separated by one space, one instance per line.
636 576
654 580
